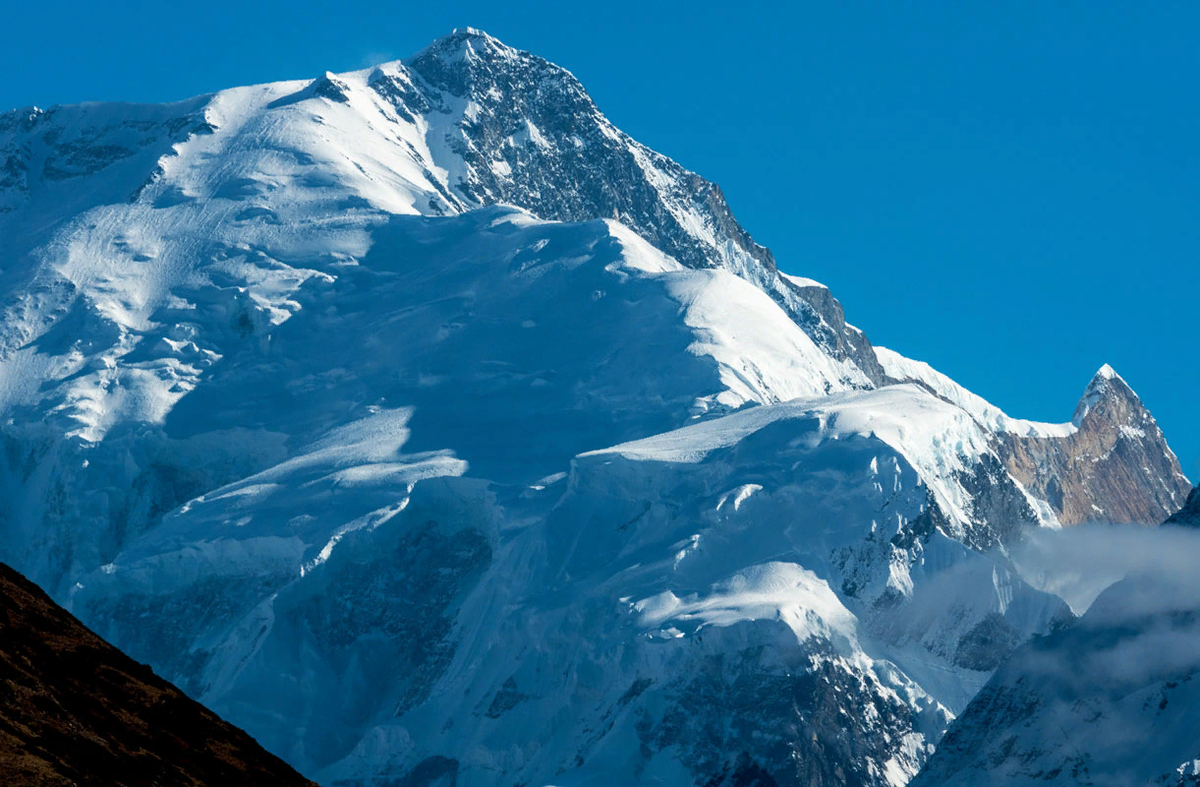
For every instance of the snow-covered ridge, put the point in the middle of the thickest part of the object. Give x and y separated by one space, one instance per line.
939 440
988 415
802 282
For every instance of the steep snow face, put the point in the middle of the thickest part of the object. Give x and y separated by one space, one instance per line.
519 327
708 603
1112 700
494 325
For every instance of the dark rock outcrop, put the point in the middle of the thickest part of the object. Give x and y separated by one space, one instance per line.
75 710
1189 515
564 161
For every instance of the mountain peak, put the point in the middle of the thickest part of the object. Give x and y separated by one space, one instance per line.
469 63
469 43
1106 385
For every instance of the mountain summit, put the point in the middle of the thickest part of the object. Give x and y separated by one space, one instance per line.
1116 466
430 428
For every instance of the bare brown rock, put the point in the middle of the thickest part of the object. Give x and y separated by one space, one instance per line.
1117 468
76 711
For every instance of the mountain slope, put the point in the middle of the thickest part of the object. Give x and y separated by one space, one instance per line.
1189 514
1111 700
77 711
614 616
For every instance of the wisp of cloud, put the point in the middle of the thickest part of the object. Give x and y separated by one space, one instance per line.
1078 563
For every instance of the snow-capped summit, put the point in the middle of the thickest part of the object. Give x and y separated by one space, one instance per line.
413 415
466 42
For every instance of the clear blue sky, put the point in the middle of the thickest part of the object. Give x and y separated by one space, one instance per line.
1010 191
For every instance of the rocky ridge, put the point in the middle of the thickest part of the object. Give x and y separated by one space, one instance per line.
1110 464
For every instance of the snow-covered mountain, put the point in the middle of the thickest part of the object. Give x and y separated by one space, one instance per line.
428 427
1111 700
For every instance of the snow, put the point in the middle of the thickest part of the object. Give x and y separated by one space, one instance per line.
710 564
767 591
937 438
988 415
802 282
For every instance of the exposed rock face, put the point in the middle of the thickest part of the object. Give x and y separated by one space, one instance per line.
797 720
75 710
486 100
1115 468
1189 515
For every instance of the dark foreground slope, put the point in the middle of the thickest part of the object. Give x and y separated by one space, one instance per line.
75 710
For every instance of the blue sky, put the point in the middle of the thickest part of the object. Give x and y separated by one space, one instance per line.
1010 192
